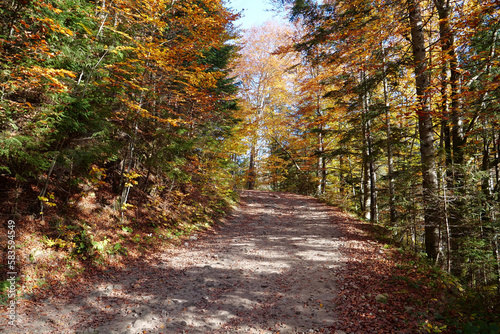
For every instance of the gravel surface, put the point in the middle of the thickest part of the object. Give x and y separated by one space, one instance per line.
272 267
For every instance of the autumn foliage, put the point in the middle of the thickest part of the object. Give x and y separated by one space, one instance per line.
391 113
151 112
131 87
114 113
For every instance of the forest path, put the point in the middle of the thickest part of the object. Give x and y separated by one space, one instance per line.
275 266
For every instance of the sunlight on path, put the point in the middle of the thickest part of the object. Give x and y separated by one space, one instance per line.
277 258
271 268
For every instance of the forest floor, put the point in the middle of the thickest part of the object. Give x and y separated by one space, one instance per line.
280 263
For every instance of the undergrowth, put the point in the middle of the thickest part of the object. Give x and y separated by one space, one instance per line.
85 233
463 310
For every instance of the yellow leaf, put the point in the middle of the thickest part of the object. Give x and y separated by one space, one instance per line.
86 29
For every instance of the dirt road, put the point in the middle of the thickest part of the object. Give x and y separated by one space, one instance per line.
271 268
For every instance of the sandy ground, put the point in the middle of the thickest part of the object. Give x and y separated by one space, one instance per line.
272 267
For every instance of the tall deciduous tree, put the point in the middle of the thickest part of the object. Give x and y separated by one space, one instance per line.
265 91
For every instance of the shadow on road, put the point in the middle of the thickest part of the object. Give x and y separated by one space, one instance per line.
270 268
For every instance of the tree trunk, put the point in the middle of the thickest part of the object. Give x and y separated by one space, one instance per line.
370 176
455 158
426 134
251 169
366 202
447 40
496 236
390 154
321 168
323 175
373 189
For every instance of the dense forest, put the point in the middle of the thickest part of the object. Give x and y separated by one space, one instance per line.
388 109
148 114
115 118
118 95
